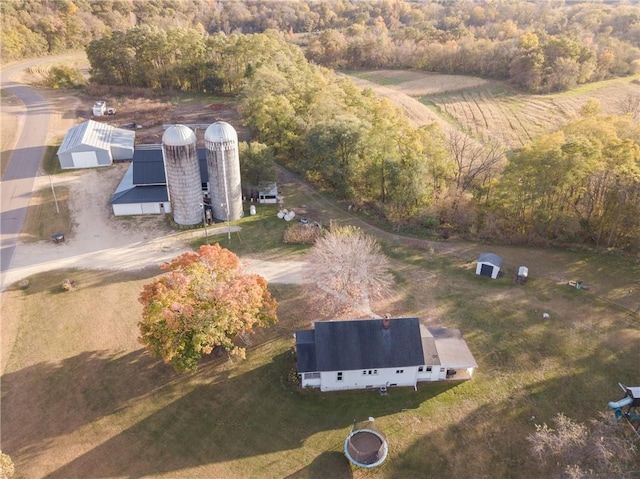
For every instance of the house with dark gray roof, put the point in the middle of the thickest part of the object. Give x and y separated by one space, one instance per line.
377 353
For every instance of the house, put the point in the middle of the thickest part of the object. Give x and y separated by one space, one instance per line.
379 353
91 144
489 265
143 189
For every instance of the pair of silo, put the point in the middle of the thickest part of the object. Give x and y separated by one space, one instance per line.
182 171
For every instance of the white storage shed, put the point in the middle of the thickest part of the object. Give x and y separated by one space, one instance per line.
489 265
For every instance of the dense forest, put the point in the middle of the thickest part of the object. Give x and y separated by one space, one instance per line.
541 46
577 185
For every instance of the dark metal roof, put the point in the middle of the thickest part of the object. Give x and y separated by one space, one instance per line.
365 344
490 258
148 167
306 350
141 194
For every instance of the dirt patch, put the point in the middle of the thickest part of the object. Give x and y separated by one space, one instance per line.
148 117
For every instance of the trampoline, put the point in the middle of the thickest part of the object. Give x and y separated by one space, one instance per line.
365 446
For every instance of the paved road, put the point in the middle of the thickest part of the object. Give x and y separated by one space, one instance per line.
19 176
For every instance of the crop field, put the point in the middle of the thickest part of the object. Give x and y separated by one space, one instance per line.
491 109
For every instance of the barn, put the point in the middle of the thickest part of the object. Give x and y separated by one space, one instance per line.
91 144
489 265
143 189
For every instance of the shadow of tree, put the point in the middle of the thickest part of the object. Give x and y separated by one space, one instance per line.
332 461
247 414
47 400
495 433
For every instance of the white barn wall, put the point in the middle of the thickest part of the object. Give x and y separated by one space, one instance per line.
132 209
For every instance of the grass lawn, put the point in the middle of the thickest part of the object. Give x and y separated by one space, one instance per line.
80 398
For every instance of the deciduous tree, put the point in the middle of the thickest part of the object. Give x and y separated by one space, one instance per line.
574 450
347 269
205 301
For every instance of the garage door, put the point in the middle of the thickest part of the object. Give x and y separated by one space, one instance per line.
84 159
486 270
150 208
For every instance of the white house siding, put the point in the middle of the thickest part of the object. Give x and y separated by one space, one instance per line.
358 380
429 373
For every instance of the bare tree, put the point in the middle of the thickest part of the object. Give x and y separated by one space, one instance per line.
579 451
475 163
347 269
630 105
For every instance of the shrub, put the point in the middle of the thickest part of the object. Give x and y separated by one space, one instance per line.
302 233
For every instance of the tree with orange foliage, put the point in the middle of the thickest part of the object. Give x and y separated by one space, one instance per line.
205 301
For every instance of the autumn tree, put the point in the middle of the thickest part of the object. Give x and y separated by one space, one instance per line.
346 270
574 450
204 301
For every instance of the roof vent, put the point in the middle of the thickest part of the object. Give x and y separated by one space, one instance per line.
386 321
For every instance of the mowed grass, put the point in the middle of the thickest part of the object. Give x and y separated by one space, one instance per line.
81 398
47 214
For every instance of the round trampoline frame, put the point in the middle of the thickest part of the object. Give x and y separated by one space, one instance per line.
366 458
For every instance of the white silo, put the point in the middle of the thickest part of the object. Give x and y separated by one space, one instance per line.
223 165
183 174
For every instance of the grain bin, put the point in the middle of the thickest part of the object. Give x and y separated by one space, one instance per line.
183 174
223 166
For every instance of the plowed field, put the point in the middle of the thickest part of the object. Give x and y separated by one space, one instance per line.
489 109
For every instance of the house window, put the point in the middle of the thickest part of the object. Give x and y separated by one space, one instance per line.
428 369
421 369
364 372
399 371
339 377
441 370
375 371
312 375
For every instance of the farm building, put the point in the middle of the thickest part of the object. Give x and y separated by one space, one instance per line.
143 189
380 353
489 265
91 144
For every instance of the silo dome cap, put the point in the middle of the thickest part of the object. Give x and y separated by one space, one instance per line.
178 135
220 131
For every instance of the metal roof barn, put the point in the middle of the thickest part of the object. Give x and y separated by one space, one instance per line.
92 144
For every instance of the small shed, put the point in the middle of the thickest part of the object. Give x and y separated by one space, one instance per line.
268 194
99 108
489 265
92 144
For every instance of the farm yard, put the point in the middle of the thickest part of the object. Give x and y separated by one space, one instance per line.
81 398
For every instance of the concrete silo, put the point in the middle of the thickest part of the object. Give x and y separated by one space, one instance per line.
223 166
183 174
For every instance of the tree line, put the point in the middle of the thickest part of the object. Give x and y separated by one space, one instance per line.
580 184
539 46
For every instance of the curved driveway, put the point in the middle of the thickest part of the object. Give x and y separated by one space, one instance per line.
19 176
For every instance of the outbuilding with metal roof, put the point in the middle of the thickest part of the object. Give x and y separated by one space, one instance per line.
92 144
